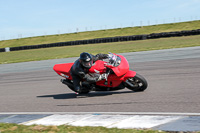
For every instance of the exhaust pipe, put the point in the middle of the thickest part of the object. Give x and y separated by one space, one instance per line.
64 81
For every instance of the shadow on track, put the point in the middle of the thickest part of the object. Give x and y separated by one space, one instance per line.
91 94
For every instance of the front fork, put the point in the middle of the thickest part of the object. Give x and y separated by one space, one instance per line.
129 74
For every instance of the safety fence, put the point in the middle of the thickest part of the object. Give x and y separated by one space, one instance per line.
106 40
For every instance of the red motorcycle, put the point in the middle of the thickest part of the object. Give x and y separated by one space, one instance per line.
118 75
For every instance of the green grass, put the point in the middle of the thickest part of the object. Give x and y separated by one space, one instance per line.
14 128
118 47
101 34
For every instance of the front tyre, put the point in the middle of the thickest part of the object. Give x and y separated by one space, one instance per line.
137 83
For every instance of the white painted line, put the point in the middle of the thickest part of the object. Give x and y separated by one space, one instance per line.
139 121
57 119
109 121
124 120
109 113
100 120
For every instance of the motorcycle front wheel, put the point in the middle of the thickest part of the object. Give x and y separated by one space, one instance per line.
137 83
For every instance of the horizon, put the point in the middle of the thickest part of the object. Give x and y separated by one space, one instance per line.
23 19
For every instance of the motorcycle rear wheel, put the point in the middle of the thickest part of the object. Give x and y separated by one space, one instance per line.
138 83
84 92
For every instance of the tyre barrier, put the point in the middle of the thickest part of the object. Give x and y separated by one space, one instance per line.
107 40
2 50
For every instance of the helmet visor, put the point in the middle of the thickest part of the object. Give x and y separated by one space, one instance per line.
87 64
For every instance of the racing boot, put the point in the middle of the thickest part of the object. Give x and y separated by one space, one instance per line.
77 90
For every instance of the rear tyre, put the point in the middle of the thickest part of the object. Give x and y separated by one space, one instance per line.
137 83
84 92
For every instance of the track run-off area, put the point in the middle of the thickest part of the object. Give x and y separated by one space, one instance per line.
173 76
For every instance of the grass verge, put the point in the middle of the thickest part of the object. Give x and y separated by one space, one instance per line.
118 47
192 25
14 128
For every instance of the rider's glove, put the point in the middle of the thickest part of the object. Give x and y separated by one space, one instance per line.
109 56
102 77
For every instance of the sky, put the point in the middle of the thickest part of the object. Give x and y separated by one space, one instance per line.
26 18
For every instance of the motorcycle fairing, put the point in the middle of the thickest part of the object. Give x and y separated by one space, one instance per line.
129 74
63 69
98 67
122 68
112 81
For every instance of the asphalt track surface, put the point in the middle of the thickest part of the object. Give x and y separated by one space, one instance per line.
173 77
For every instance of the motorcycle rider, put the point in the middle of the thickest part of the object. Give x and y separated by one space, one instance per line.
80 69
